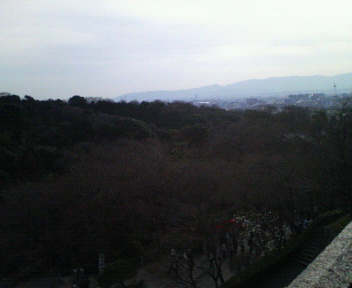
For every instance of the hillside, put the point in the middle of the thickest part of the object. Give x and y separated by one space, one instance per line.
133 180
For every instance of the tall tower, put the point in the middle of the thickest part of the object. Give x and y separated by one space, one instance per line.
335 89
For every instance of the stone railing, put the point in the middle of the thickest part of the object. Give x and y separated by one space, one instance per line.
332 268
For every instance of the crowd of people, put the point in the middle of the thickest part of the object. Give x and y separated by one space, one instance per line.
250 236
237 241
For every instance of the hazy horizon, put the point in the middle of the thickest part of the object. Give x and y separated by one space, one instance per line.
57 49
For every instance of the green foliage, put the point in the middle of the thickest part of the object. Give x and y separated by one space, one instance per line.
5 140
196 134
4 178
77 101
12 121
117 272
337 226
10 99
179 149
194 119
133 129
29 98
7 160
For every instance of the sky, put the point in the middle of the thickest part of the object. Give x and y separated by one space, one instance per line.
60 48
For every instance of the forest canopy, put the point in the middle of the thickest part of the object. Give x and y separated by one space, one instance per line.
83 177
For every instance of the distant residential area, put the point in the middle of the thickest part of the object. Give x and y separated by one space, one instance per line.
314 100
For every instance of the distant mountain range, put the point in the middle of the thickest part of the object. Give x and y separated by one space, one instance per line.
275 86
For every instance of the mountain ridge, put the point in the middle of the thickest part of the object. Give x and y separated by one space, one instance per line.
251 87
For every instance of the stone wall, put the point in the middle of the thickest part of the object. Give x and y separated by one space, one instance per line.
332 268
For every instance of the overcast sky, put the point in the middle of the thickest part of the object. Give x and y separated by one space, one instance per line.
58 48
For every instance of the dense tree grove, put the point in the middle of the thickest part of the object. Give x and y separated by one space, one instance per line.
79 178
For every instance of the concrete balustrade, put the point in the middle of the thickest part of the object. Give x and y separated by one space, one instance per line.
332 268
